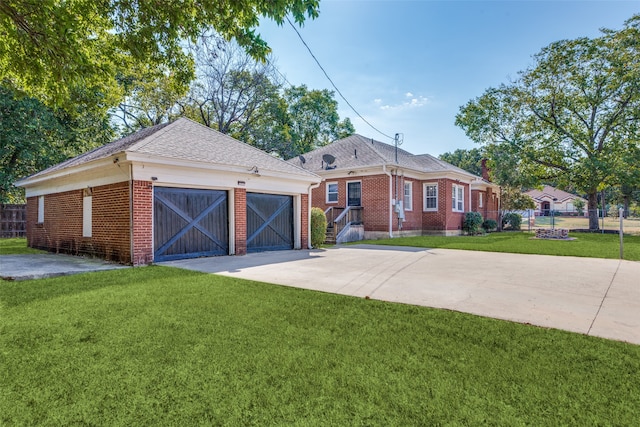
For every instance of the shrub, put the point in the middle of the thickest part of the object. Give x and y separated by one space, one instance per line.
489 225
318 227
472 222
511 221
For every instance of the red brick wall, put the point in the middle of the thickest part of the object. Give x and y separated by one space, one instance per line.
489 209
240 217
62 227
304 221
142 222
376 203
436 220
61 230
111 238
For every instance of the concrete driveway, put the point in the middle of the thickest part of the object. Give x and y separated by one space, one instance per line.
39 266
585 295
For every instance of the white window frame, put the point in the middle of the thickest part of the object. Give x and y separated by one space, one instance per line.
408 199
332 192
480 200
40 209
87 216
457 198
424 196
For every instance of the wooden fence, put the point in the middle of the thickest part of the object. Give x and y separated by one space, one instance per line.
13 220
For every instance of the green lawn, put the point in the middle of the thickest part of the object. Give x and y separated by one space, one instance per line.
585 245
16 246
162 346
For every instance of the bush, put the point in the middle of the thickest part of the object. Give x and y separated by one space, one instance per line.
318 227
511 221
472 222
489 225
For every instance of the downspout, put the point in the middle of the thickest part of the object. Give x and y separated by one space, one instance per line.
311 187
384 170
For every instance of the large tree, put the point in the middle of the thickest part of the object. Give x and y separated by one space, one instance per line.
313 119
34 137
49 47
571 117
469 160
230 86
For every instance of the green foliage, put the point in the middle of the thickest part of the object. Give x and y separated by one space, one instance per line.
570 118
579 205
184 348
318 227
512 199
34 137
489 225
472 222
313 119
511 221
469 160
49 47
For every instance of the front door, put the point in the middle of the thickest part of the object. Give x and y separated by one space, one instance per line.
354 194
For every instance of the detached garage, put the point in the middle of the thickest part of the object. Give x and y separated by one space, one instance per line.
172 191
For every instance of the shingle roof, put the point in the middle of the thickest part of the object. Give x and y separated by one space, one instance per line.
551 193
358 151
187 140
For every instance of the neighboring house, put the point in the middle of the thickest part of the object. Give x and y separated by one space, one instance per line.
551 199
382 192
171 191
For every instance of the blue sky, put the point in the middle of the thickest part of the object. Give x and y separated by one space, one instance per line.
408 66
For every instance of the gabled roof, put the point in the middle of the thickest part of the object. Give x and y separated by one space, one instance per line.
550 193
185 139
357 151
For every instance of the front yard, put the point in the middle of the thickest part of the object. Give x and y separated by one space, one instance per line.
591 245
162 346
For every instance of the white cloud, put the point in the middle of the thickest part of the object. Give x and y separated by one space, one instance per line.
413 102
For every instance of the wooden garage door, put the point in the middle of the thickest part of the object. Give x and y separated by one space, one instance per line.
269 222
189 223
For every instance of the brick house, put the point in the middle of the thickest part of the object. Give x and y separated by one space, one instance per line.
175 190
370 190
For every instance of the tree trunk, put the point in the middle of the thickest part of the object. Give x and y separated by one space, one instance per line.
592 206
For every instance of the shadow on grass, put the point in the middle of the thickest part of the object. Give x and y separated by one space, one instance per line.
14 294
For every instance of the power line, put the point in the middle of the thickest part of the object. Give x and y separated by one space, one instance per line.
332 83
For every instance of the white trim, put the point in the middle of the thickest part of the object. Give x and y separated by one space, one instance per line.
87 216
424 196
40 209
231 217
297 221
480 199
457 198
326 193
408 206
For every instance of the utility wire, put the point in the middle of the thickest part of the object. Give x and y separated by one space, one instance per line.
332 83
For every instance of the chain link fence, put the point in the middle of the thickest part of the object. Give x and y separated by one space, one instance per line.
608 222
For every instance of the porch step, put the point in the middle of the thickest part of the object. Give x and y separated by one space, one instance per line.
329 238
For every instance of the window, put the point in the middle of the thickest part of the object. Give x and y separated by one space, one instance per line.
40 209
430 197
87 202
480 200
457 199
408 196
332 192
